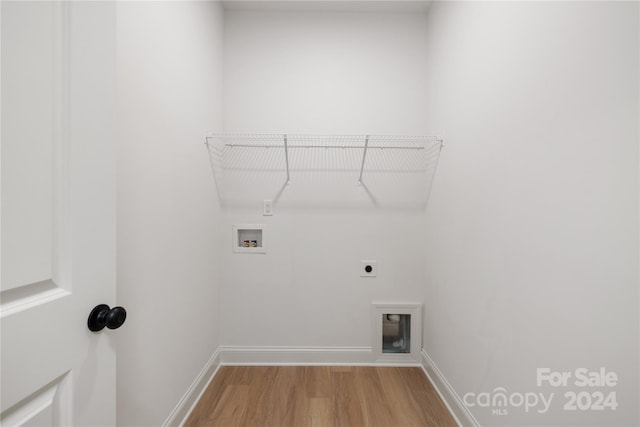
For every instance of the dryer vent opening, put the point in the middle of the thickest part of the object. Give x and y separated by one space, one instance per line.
397 332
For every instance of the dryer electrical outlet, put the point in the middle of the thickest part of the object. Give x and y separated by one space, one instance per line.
368 268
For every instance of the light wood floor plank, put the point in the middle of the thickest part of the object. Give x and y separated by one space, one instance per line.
318 381
232 407
347 409
319 396
376 410
320 412
405 410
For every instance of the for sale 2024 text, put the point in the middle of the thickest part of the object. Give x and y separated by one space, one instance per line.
586 399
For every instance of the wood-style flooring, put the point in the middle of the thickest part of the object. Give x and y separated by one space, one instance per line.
322 396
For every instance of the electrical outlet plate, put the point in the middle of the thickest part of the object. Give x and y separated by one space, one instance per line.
373 271
267 208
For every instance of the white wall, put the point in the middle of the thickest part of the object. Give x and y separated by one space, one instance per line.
169 95
321 72
315 72
532 235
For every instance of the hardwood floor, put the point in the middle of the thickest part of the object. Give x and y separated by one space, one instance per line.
320 396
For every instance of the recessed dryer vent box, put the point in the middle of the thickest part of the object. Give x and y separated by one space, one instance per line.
397 332
248 239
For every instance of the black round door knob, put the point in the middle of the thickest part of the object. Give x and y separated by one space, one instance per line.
102 316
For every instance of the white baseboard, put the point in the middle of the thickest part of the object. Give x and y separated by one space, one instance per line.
179 415
448 395
264 355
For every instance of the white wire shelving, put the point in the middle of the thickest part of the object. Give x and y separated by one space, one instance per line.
252 159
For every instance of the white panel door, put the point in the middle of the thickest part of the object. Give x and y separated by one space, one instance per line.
58 212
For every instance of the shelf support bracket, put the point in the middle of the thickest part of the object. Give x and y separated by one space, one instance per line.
286 158
364 156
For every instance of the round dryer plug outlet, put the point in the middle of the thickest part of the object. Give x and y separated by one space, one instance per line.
368 268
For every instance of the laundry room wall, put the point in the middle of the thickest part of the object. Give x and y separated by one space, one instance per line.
303 68
169 93
532 226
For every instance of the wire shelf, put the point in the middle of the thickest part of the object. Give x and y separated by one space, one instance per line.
370 161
